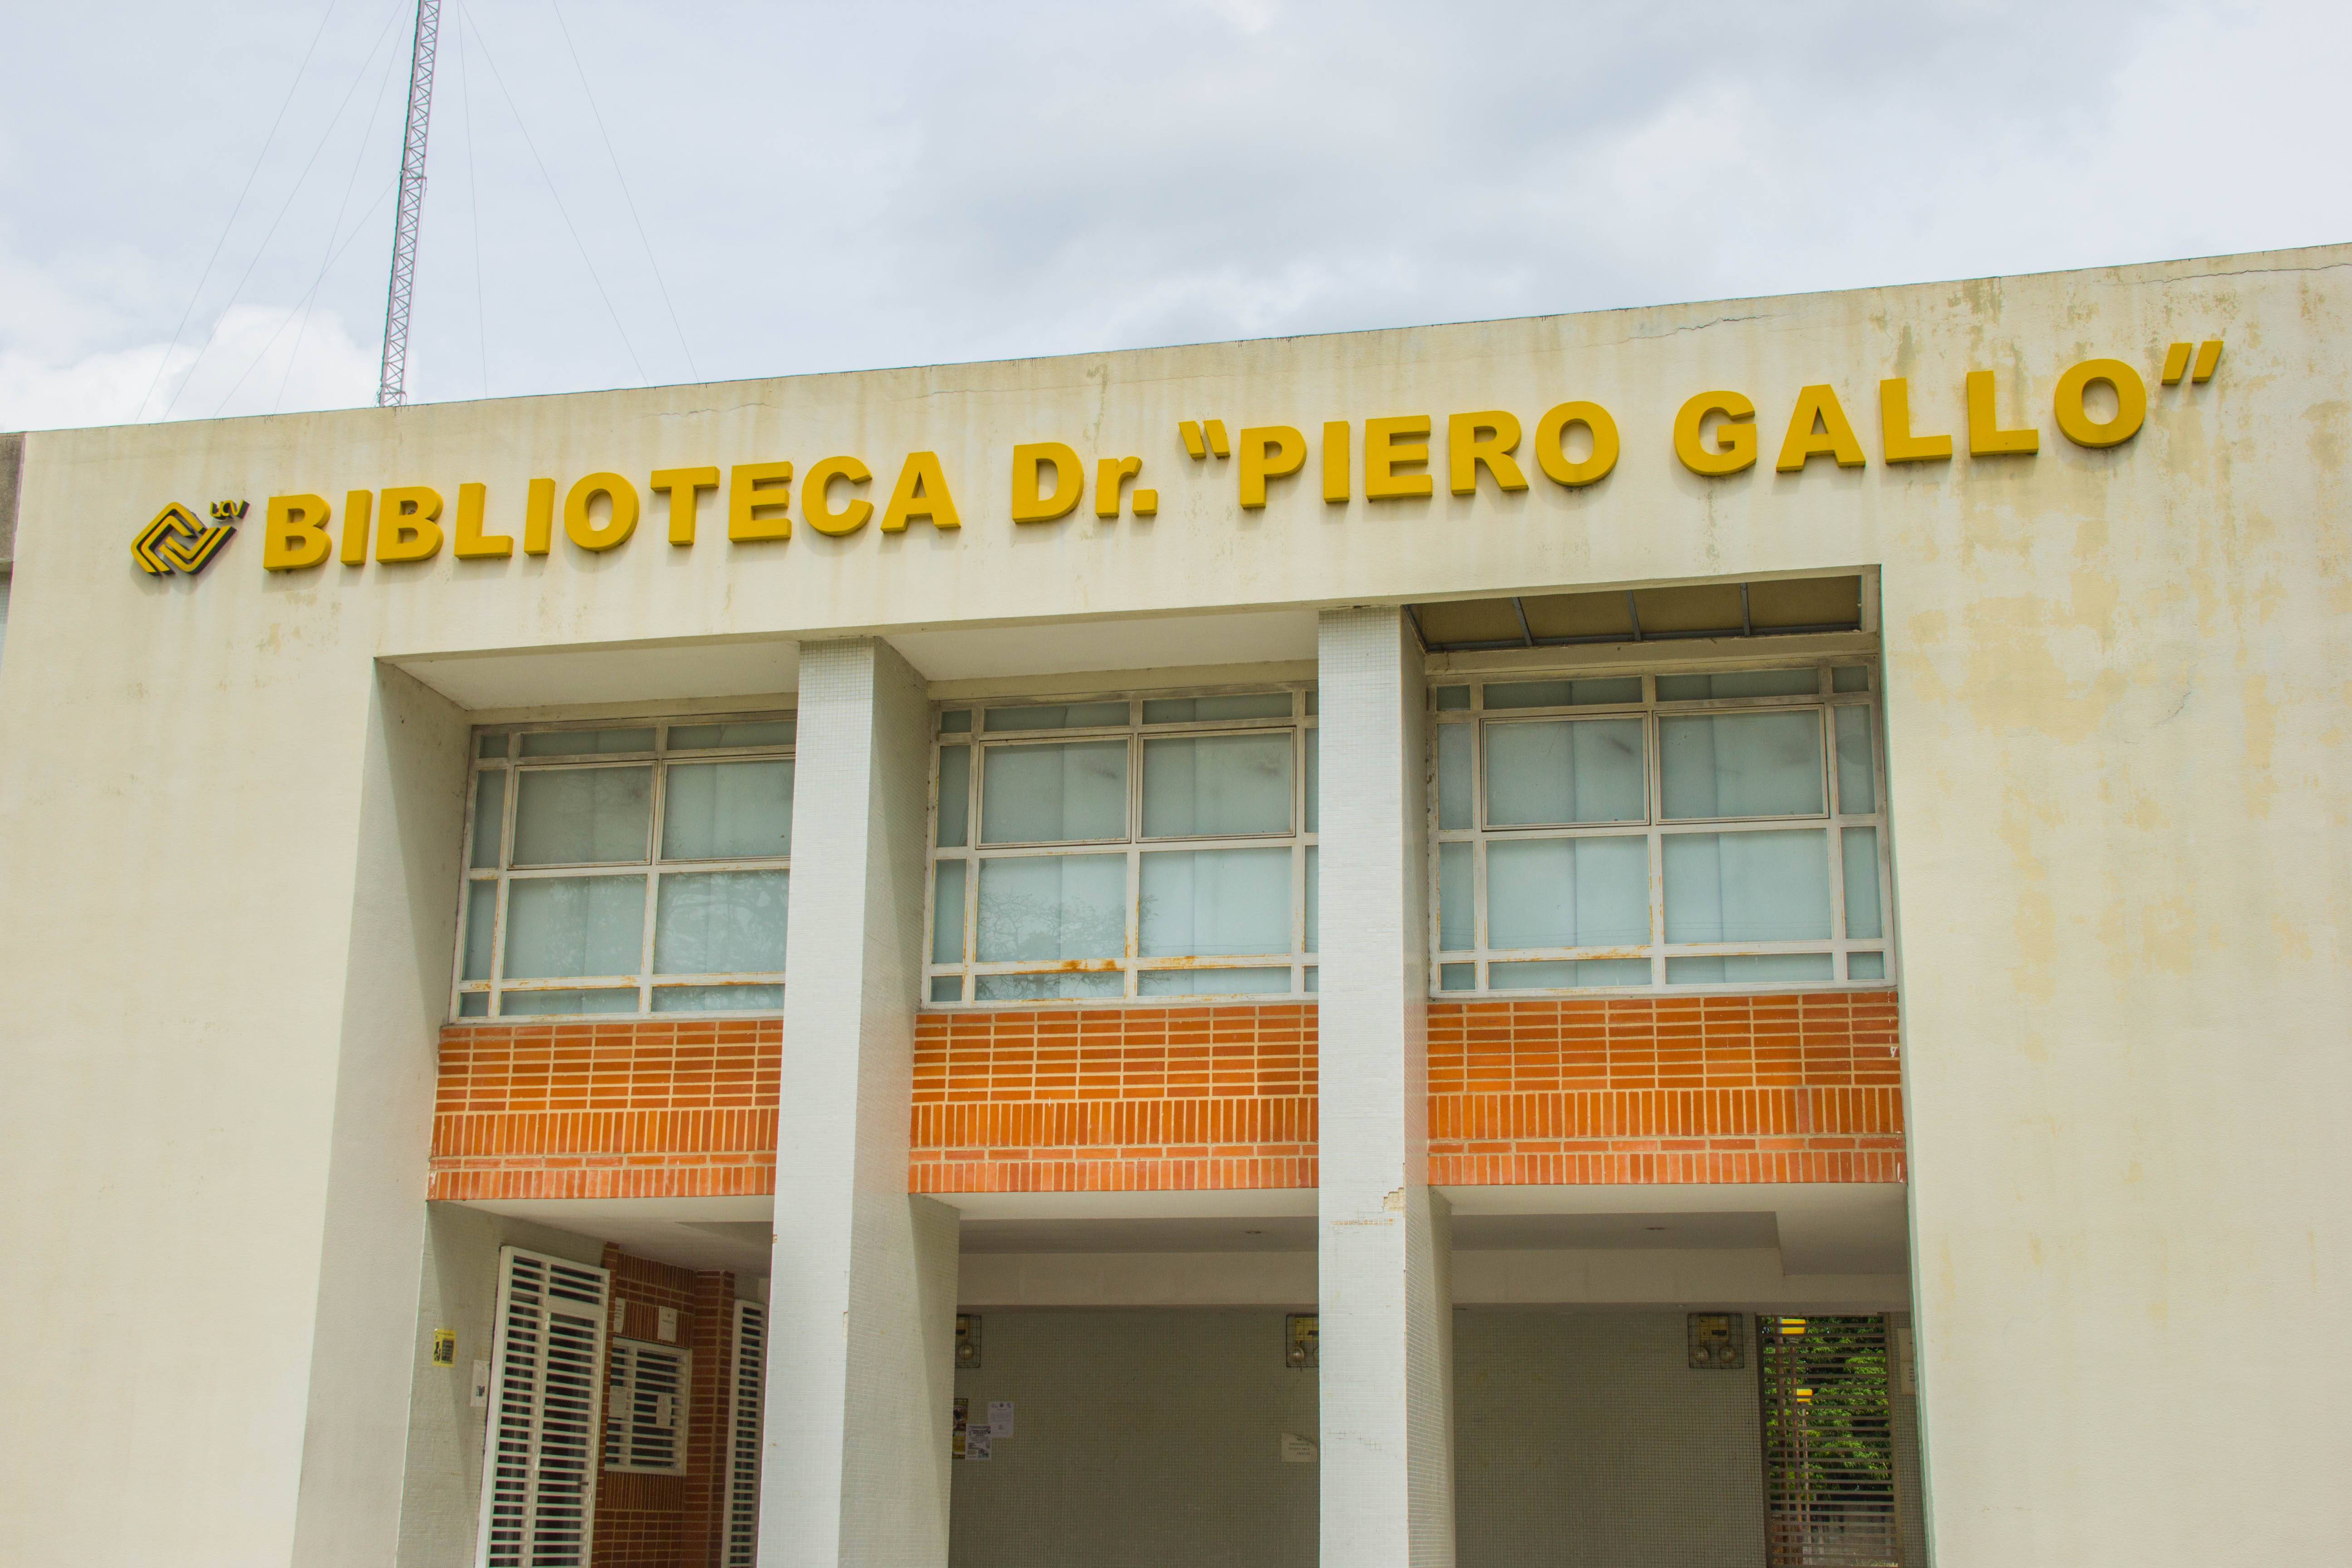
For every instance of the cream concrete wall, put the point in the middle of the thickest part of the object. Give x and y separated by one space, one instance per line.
2119 764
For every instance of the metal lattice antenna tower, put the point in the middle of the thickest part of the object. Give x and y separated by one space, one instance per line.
392 385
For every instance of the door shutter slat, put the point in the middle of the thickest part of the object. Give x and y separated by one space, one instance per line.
539 1475
746 1382
1829 1446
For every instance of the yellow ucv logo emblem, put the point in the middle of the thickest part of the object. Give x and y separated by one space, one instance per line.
176 541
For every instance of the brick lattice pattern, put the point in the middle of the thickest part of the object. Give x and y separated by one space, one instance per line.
640 1108
1115 1100
1668 1090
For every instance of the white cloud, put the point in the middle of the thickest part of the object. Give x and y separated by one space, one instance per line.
262 359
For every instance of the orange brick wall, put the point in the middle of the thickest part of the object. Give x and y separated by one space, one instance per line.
1115 1100
1640 1090
633 1107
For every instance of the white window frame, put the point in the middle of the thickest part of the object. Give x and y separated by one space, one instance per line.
1657 828
1130 965
628 1448
652 867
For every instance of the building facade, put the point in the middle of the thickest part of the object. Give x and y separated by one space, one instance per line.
1696 935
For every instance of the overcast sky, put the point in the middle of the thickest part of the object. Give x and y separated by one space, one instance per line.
199 199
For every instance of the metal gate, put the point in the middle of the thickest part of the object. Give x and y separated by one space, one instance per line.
1829 1443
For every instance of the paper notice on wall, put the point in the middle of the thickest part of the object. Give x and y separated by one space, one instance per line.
962 1410
668 1330
481 1384
1297 1450
1000 1418
620 1314
975 1441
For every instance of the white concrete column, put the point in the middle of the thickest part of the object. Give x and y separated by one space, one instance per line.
1386 1307
861 1375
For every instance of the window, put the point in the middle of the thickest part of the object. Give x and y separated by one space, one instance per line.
627 868
645 1408
1675 830
1124 846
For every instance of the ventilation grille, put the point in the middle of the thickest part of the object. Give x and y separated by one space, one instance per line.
744 1388
539 1473
645 1433
1829 1443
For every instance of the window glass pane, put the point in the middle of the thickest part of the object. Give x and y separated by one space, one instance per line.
1457 977
575 816
1742 764
1314 777
947 913
1314 881
956 721
718 998
1454 747
490 746
489 816
1213 901
1450 698
1058 716
574 925
1314 980
1860 852
946 987
742 732
1857 778
1213 785
481 931
1740 683
1564 693
1052 906
1563 771
1454 927
955 796
1038 795
514 1003
1758 969
1314 694
1210 981
1555 971
1045 987
1194 709
1748 887
1849 677
587 742
1567 892
1866 967
473 1004
721 922
726 811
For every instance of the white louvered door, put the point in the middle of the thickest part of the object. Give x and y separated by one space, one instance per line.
747 1371
538 1457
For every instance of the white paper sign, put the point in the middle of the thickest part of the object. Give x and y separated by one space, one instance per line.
1000 1418
1297 1450
481 1384
668 1330
975 1442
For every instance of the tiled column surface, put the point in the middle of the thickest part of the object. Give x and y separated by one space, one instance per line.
862 1303
1115 1100
633 1108
1684 1089
1386 1308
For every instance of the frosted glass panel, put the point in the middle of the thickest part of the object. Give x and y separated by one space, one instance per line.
1562 693
1748 887
1210 981
955 796
956 721
1059 716
1198 709
574 925
1454 889
1859 848
1758 969
1849 677
1045 987
1866 967
1457 977
1567 892
1215 901
1314 777
1742 764
718 998
1857 776
709 737
947 988
1556 972
489 818
490 746
576 816
473 1004
727 811
1565 770
481 930
1454 747
586 742
1453 699
1043 795
1740 683
1052 906
1314 890
947 913
520 1003
721 922
1216 785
